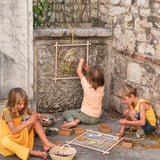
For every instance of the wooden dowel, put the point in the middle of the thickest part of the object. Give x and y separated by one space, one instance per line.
113 145
56 63
87 50
106 152
66 78
84 44
103 134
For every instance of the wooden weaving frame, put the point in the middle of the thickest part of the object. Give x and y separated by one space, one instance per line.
68 45
102 148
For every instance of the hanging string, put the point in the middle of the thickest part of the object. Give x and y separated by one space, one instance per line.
72 30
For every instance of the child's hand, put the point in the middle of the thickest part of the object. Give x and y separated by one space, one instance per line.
86 67
81 60
118 134
39 116
33 118
123 121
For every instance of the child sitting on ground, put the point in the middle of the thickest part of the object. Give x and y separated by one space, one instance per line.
139 114
93 87
16 137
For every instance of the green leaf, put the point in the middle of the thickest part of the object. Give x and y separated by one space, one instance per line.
41 4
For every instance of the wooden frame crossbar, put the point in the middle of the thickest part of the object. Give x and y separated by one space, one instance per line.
68 45
113 139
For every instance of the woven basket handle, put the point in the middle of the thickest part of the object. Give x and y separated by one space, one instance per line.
66 145
63 146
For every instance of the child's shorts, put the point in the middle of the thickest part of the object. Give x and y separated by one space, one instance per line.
147 127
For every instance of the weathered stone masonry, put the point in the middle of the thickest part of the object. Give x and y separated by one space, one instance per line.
134 59
62 95
136 50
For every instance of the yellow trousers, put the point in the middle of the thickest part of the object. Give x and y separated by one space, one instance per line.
10 148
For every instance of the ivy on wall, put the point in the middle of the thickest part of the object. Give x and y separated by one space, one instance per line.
41 12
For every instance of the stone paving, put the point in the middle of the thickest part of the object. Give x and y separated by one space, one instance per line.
148 149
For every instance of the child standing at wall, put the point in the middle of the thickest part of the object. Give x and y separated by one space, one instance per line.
16 137
139 114
93 87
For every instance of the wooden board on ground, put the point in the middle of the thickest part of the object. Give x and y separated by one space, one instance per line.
96 141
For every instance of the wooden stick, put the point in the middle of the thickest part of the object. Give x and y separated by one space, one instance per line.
87 50
103 134
106 152
113 146
56 63
85 44
66 78
60 53
72 49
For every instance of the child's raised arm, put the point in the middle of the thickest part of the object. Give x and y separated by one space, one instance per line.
86 67
80 67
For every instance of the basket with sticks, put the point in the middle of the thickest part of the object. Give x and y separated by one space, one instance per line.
64 152
47 120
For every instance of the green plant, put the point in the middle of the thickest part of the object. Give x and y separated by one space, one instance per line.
41 12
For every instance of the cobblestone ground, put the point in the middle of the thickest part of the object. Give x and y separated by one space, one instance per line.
146 149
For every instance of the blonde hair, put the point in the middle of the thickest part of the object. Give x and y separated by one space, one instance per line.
127 90
95 77
14 97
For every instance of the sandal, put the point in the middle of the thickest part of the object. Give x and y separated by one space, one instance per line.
140 134
130 129
52 132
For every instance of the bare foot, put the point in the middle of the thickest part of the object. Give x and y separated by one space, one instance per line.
70 124
48 146
77 120
43 155
65 122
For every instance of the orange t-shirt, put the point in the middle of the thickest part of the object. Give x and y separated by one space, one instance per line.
92 99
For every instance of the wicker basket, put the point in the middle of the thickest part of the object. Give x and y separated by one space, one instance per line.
46 120
64 152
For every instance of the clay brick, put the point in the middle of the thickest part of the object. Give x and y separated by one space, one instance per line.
125 53
148 59
104 128
78 131
65 132
138 57
156 61
127 142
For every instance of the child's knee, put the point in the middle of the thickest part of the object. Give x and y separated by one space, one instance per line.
5 142
64 113
126 112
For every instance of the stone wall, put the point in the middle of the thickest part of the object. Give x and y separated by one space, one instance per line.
135 57
136 49
16 54
67 94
